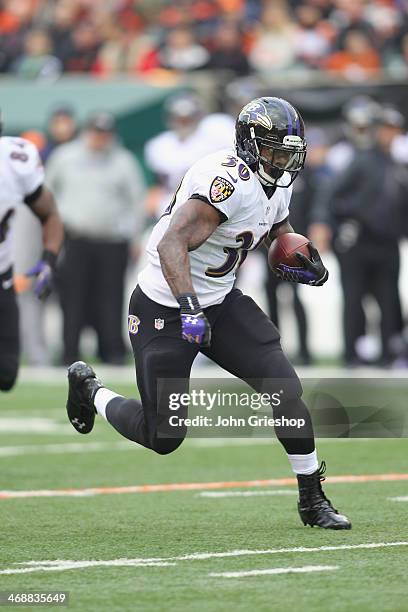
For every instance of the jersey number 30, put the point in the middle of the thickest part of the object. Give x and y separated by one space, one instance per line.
234 255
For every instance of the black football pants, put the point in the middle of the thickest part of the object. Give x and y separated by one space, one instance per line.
244 342
9 334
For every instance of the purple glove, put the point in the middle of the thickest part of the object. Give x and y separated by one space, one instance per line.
195 327
43 271
313 271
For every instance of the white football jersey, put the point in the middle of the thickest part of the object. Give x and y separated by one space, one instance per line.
230 186
21 174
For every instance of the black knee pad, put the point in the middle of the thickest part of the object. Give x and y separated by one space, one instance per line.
6 384
8 375
165 446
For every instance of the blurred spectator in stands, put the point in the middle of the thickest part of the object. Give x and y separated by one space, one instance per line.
202 13
396 59
275 39
350 15
358 60
61 28
37 60
313 36
99 190
122 35
385 19
367 201
125 50
181 51
227 53
17 17
305 222
83 49
61 127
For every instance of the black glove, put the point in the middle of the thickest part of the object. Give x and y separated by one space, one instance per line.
195 327
313 271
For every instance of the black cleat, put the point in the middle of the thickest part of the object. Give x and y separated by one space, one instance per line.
314 507
83 386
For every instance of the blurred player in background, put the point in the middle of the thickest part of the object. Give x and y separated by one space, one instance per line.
22 181
190 136
99 189
227 204
359 120
62 128
366 203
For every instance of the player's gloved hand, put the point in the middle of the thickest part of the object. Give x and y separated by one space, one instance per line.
43 272
313 271
195 327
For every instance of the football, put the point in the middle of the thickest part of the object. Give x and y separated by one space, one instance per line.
284 248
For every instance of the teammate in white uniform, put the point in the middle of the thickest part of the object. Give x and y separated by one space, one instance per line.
226 205
190 137
21 182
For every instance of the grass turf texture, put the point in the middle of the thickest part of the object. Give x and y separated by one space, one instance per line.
177 523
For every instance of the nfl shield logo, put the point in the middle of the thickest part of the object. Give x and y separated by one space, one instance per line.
159 324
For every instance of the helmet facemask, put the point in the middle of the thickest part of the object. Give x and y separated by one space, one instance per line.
275 158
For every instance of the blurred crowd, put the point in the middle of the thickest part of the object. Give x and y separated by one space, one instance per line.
357 40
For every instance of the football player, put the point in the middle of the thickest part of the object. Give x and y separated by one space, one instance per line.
227 204
22 181
190 137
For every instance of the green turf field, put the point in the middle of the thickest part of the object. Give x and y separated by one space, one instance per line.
152 542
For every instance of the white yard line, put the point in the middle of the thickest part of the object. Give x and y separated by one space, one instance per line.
85 447
33 425
61 565
276 570
218 494
403 498
69 447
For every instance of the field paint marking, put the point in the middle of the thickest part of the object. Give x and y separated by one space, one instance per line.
218 494
276 570
69 447
84 447
403 498
193 486
33 425
60 565
275 551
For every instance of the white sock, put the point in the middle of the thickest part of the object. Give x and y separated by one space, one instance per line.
101 400
303 464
